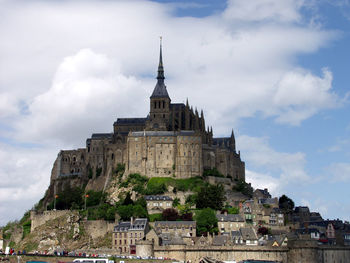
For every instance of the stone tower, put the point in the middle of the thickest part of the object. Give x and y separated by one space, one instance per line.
159 114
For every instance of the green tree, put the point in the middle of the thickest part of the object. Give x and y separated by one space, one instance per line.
139 211
233 210
69 197
94 198
244 188
176 202
125 211
211 196
128 200
170 214
286 204
206 221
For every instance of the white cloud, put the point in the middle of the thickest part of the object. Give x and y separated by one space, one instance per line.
285 170
24 177
280 11
262 181
340 172
295 95
87 90
70 68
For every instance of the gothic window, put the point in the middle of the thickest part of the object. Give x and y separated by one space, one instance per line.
163 104
112 156
155 105
159 104
163 116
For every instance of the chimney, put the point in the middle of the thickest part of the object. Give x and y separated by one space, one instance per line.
225 213
132 220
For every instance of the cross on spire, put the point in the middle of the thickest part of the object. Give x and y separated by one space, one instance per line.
160 75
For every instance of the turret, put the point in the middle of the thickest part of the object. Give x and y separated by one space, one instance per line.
232 142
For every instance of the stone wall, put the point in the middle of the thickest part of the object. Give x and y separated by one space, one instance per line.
98 228
185 253
164 154
238 253
40 218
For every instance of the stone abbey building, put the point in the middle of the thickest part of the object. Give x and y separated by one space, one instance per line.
171 141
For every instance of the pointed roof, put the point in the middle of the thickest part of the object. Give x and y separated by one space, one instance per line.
160 88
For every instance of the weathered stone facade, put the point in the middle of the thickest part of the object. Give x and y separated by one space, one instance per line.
172 140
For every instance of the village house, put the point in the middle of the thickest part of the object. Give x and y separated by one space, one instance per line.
126 234
230 222
158 203
249 236
276 217
178 228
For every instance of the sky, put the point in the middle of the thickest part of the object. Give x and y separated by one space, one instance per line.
275 71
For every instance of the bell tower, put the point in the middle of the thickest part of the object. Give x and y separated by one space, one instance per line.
159 101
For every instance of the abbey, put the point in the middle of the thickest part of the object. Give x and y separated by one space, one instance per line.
172 141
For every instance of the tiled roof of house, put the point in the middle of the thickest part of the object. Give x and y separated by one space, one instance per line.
139 224
176 224
158 198
229 218
248 233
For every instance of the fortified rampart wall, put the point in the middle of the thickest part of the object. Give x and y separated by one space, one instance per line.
238 253
98 228
40 218
94 228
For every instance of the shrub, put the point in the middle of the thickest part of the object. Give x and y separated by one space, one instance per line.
233 210
211 196
170 214
120 169
176 202
155 217
244 188
98 171
212 172
206 221
94 198
90 174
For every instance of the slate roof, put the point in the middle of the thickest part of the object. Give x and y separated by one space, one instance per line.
177 105
162 133
122 227
269 201
139 224
174 223
229 218
248 233
101 135
276 210
158 197
301 209
129 121
236 235
220 141
171 239
263 192
220 240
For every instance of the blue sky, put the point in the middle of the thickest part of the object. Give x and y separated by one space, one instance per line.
275 71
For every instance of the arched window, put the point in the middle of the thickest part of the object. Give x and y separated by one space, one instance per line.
112 156
163 104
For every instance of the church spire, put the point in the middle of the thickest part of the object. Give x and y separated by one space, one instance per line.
160 88
160 75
